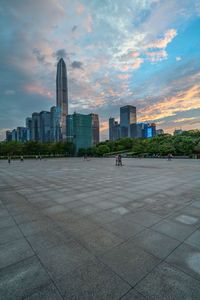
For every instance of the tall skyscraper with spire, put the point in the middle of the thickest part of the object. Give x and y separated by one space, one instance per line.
62 94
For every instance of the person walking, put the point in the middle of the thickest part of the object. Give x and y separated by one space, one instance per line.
9 159
21 158
119 160
116 160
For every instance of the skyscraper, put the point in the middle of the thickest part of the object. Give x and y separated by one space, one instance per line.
35 126
79 130
55 133
95 129
114 129
45 126
62 94
29 128
127 117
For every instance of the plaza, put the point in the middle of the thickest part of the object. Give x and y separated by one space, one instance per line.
87 229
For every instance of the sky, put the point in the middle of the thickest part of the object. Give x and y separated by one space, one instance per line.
144 53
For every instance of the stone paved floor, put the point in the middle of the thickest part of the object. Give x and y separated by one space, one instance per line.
74 229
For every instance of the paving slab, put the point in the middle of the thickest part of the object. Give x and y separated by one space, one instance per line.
187 259
109 227
93 280
133 295
14 252
129 262
155 243
194 239
22 279
48 292
166 282
178 231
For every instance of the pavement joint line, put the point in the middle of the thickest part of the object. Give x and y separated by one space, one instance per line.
38 259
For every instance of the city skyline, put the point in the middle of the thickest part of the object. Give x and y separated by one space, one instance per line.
142 53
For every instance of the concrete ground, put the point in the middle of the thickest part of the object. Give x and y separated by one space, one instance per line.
75 229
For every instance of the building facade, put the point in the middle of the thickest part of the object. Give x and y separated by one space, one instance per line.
127 117
35 127
114 129
29 128
79 130
95 129
62 94
21 134
44 127
8 136
55 130
159 131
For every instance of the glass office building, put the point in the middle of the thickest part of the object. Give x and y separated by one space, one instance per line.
127 117
55 133
79 130
114 130
44 126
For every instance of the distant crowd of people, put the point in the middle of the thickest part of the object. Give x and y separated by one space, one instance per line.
22 158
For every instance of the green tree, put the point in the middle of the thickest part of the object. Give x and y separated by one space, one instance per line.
102 149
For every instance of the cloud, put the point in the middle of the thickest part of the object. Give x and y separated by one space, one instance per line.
77 65
178 58
163 42
157 55
171 105
74 28
39 56
35 89
9 93
183 120
61 53
123 76
80 8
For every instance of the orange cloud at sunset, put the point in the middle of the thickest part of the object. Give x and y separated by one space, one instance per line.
169 106
80 8
123 76
162 43
34 89
103 126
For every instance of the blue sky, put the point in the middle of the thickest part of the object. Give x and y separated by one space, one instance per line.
140 52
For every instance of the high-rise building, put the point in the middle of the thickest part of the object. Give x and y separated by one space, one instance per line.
159 131
178 131
62 94
14 135
8 136
95 129
22 134
143 130
55 133
114 129
127 117
35 126
29 128
79 130
44 127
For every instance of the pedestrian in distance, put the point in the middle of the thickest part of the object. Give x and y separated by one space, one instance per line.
9 159
169 157
119 160
116 160
21 158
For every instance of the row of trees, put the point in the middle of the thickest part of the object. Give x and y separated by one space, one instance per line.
36 148
187 143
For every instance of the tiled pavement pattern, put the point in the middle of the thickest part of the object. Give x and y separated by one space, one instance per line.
74 229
